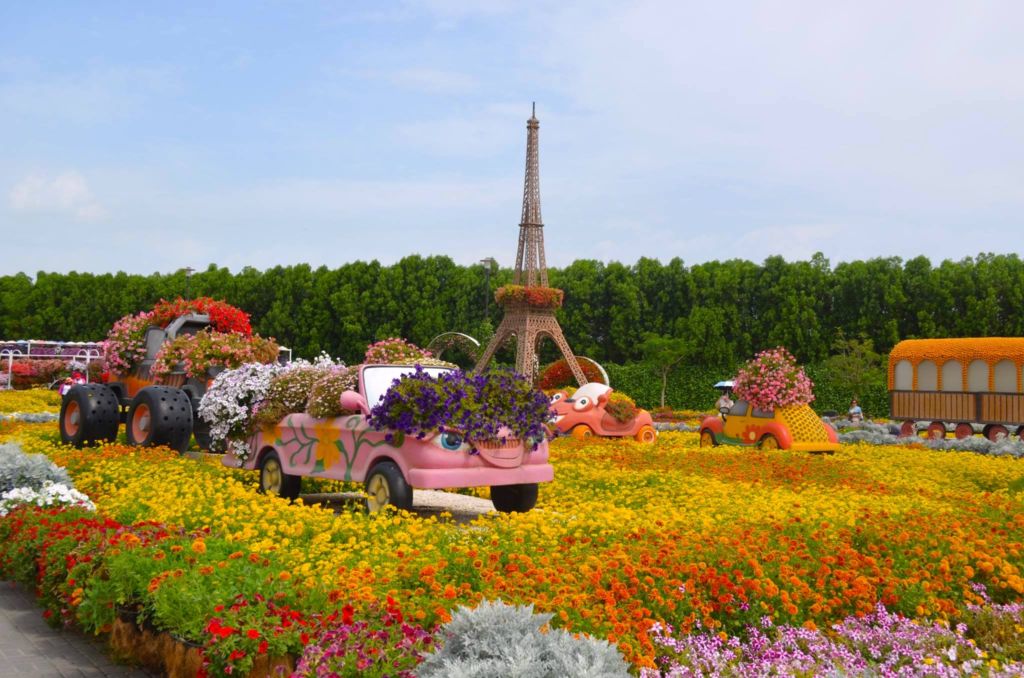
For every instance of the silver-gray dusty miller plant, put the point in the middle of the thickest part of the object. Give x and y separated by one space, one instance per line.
495 640
18 469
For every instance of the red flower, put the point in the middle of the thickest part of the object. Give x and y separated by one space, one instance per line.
253 633
235 655
262 649
347 614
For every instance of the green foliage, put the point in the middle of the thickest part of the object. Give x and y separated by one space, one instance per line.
496 639
856 367
662 354
725 310
621 407
18 469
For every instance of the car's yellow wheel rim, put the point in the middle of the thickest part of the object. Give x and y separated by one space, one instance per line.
647 434
270 478
378 493
706 439
582 432
769 443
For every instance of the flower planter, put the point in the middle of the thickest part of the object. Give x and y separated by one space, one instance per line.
272 667
128 613
183 658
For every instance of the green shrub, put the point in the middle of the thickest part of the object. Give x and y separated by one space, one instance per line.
496 639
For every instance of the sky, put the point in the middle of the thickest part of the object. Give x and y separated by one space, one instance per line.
148 137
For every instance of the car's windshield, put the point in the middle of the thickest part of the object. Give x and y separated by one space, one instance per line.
377 379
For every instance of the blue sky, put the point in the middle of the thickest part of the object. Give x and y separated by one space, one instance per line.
149 137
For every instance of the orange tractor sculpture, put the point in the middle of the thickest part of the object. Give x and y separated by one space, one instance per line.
158 407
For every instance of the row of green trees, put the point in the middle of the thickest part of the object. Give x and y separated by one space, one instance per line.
714 314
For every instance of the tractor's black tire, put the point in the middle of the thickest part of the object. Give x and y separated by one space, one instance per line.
274 481
89 413
514 498
385 485
160 415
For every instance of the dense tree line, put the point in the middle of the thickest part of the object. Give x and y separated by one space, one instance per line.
724 311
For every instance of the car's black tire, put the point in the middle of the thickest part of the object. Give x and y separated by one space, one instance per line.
160 415
385 485
89 413
273 479
514 498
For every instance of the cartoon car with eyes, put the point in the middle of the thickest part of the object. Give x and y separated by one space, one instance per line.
391 464
595 409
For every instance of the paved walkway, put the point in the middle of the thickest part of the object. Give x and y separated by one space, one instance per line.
30 648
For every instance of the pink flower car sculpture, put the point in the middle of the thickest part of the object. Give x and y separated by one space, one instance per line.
391 463
585 413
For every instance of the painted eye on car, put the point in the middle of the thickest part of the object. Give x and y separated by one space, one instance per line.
450 440
581 403
558 396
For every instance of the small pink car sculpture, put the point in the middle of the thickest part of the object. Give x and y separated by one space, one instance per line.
391 464
584 415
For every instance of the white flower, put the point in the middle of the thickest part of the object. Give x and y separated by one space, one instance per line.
50 494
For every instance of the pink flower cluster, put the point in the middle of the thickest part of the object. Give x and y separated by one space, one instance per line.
197 353
773 379
125 344
393 350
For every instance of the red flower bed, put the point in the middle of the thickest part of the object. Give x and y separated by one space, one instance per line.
557 374
537 297
223 316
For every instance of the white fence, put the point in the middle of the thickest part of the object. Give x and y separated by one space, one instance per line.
81 351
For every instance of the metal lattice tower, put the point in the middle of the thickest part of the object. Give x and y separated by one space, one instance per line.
531 269
529 324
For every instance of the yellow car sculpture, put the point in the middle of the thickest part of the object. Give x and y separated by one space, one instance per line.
794 427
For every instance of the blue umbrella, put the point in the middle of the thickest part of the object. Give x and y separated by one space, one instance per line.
724 384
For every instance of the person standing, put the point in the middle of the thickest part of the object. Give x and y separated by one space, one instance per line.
856 413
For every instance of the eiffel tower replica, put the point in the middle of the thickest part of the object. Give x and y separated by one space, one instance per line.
526 318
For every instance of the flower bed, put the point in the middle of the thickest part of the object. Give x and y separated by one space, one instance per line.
477 407
709 541
228 342
534 296
198 352
558 375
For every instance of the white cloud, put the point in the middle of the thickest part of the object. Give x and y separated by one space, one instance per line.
66 193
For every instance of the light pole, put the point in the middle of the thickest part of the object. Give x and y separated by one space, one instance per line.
488 263
188 276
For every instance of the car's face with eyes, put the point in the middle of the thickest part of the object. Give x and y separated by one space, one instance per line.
584 413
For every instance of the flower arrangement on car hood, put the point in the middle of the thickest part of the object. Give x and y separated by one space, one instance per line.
773 379
482 407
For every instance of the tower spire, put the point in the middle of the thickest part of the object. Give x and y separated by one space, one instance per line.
531 268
